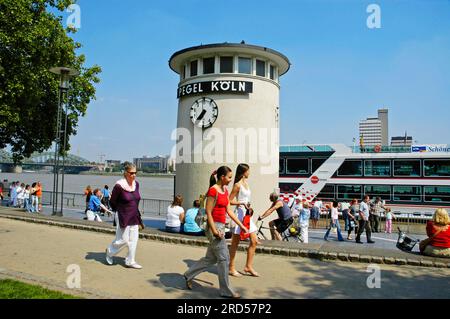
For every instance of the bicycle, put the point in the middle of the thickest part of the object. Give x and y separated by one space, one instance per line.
260 234
287 235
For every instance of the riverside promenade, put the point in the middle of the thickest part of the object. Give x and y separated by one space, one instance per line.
39 249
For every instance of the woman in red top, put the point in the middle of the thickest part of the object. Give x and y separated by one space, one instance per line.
217 207
438 230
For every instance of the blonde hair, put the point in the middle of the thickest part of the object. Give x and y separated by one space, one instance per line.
440 217
127 166
305 205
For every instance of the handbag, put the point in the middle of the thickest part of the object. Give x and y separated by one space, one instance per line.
246 222
424 243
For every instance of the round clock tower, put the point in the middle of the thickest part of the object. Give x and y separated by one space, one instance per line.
228 113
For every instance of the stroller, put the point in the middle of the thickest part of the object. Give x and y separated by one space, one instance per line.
404 242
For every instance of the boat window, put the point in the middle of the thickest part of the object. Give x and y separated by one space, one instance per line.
328 192
437 194
349 192
407 168
377 168
437 168
297 166
245 65
226 64
194 67
316 163
208 65
407 193
282 166
382 191
350 168
289 187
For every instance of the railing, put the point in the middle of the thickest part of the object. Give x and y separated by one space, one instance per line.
147 206
413 223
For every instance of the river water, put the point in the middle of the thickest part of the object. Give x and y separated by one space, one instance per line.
150 187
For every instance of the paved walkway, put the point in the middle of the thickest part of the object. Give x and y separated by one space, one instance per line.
40 253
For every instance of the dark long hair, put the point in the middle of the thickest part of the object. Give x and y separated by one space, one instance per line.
240 171
221 171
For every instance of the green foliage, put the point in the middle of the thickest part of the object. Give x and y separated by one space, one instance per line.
32 40
11 289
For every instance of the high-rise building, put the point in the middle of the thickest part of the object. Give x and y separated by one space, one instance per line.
374 130
383 117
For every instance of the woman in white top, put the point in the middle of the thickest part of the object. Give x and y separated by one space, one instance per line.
175 215
242 191
334 222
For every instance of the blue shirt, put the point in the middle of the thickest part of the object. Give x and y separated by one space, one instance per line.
94 204
304 216
190 226
105 192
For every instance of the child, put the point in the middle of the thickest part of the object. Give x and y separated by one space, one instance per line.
389 217
305 214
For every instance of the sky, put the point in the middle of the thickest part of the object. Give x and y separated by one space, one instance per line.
341 71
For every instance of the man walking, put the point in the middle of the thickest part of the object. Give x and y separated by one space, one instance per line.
364 221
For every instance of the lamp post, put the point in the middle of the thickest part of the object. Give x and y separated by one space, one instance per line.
65 74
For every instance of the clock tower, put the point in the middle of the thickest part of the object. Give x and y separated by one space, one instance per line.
228 109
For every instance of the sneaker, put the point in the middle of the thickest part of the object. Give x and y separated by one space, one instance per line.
135 266
371 242
359 242
349 238
109 259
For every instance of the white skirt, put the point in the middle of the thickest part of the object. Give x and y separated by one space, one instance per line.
240 215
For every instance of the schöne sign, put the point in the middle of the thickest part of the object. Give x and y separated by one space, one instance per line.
238 87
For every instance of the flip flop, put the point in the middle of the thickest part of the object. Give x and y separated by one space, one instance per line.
251 273
235 274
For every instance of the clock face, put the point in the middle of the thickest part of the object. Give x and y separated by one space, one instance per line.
204 112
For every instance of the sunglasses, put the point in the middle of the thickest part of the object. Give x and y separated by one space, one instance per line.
132 173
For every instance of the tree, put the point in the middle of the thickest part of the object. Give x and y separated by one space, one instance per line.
32 40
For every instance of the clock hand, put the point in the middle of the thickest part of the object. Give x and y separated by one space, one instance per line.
200 117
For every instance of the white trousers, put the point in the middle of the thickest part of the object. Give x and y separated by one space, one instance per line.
125 237
91 216
304 233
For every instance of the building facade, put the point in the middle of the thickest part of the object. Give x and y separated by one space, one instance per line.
374 130
228 113
401 141
156 164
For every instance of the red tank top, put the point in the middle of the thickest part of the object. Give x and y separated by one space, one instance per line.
220 209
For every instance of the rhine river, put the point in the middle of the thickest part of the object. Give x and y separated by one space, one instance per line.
150 187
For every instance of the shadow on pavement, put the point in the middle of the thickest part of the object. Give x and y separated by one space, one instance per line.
100 257
332 280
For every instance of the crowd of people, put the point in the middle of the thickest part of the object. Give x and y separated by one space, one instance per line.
20 195
208 217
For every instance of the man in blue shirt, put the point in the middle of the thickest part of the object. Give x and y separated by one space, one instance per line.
106 196
95 206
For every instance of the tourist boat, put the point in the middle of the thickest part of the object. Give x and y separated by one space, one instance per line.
409 179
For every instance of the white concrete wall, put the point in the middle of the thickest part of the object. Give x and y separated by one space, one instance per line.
256 110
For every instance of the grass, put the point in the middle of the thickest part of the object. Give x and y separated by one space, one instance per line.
11 289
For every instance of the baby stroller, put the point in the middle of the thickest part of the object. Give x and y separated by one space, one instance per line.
404 242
